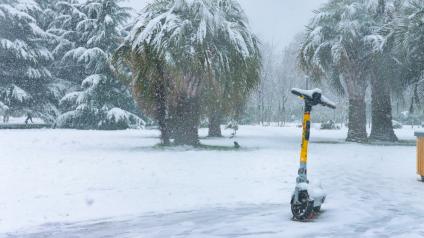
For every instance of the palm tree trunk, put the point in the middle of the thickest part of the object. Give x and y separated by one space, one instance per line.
382 126
161 111
357 131
162 107
215 120
357 121
187 116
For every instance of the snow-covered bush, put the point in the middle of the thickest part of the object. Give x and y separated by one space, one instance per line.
86 116
118 118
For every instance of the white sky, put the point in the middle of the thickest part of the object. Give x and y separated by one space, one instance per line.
274 21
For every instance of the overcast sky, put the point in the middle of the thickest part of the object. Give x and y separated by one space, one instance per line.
274 21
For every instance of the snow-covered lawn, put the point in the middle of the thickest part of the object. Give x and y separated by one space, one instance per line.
68 183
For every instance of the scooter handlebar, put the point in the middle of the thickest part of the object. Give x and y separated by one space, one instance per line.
327 102
315 96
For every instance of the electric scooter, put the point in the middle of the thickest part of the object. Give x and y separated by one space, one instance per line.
305 202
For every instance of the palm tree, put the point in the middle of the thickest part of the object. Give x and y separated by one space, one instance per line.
176 49
383 71
334 49
407 32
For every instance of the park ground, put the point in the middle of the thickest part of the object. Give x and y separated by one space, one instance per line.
69 183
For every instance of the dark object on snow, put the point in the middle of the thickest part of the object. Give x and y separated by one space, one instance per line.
29 118
329 125
236 145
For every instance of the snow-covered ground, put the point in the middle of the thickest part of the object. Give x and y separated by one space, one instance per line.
68 183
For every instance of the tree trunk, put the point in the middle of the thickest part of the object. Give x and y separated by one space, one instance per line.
357 121
382 126
356 87
186 118
161 111
215 120
161 106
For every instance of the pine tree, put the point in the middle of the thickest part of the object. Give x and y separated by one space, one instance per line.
103 102
69 14
26 83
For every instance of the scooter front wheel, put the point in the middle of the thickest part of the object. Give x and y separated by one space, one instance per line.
303 208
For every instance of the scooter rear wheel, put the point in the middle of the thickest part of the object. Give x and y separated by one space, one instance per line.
303 209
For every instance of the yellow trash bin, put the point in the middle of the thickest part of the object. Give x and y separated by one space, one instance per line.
420 154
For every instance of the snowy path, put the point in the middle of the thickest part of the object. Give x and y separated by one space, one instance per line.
115 184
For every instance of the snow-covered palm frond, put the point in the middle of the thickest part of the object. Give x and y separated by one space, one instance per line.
376 41
350 11
185 26
407 30
338 53
350 29
339 35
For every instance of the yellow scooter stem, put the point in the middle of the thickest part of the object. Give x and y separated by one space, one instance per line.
302 178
